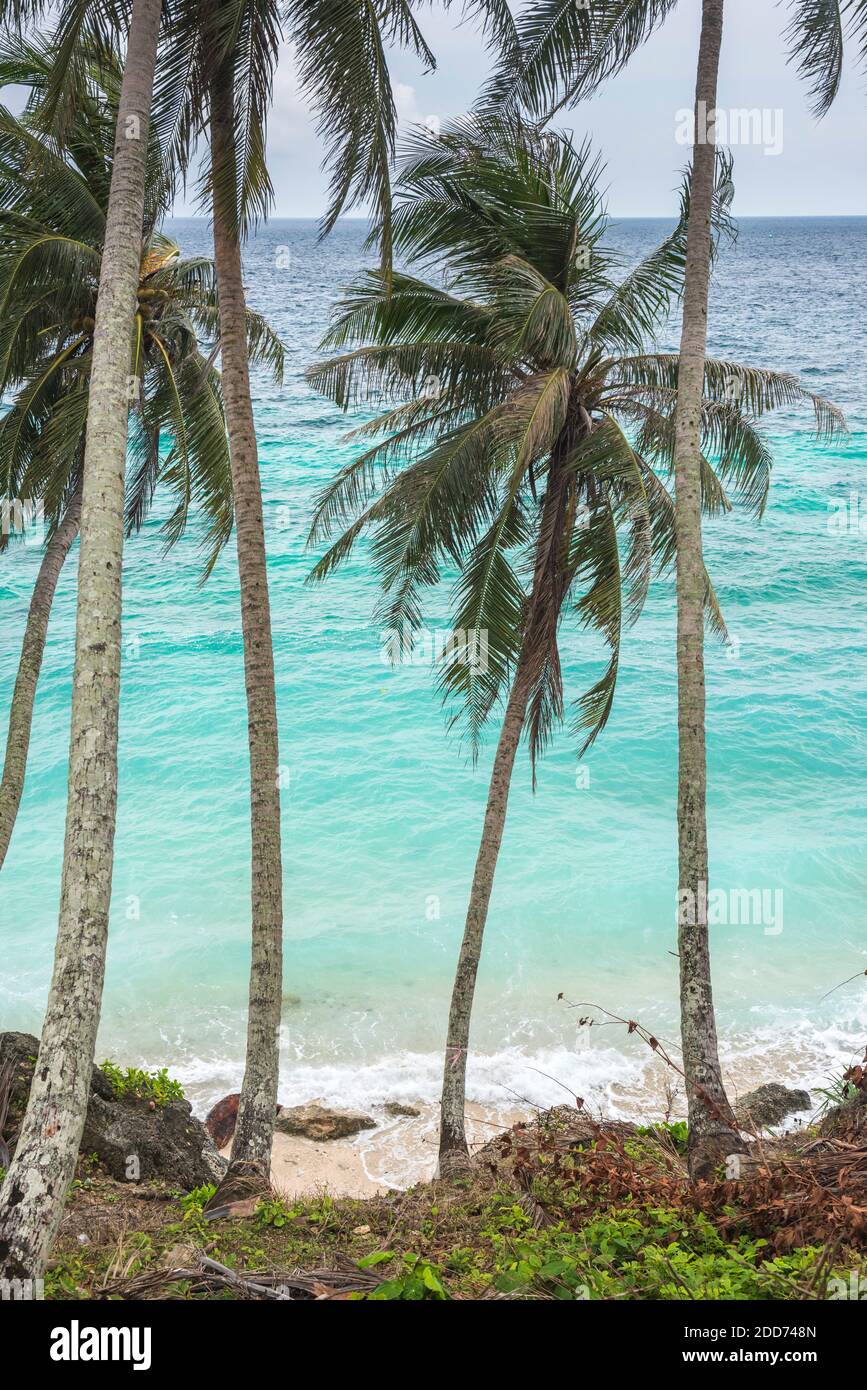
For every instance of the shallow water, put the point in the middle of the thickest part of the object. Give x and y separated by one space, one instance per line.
382 811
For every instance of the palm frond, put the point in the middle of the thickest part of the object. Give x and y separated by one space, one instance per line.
814 39
566 50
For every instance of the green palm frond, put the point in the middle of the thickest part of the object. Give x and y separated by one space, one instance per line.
431 510
489 605
351 489
202 474
341 53
605 459
740 452
51 228
531 467
665 544
755 390
264 348
532 321
640 304
565 50
601 608
38 182
487 188
814 37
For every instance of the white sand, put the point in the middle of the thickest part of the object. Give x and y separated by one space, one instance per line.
398 1153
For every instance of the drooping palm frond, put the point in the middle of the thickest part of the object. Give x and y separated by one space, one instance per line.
488 187
814 38
341 51
756 391
52 219
489 604
340 48
401 431
665 543
565 50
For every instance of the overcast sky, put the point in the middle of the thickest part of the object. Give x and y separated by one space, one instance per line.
820 170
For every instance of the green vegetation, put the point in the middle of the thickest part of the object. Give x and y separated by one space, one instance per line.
572 1232
135 1084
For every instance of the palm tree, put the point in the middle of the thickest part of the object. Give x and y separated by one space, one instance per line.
50 199
515 376
340 50
64 296
225 56
713 1130
562 53
39 1177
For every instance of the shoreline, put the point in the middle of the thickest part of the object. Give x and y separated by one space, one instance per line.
402 1151
399 1153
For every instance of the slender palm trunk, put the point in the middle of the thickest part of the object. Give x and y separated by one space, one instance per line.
38 1179
29 666
255 1129
453 1154
712 1130
548 578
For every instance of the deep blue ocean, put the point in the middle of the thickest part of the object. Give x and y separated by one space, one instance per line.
382 809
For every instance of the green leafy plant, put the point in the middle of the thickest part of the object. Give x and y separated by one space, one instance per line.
677 1131
417 1279
273 1213
194 1202
135 1084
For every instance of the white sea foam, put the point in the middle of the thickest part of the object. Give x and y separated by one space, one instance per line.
619 1079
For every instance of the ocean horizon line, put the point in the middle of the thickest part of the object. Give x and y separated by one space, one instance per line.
615 217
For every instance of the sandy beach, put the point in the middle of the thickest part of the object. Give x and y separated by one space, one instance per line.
399 1152
402 1151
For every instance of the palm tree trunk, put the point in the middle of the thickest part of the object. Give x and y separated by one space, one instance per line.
453 1154
33 1195
255 1128
712 1131
29 666
549 586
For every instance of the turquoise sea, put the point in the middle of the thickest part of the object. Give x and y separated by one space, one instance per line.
382 810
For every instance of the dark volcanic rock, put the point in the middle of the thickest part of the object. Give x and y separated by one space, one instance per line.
769 1105
135 1140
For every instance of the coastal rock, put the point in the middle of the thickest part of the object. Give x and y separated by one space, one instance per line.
221 1119
400 1112
769 1105
319 1122
18 1053
166 1142
136 1143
